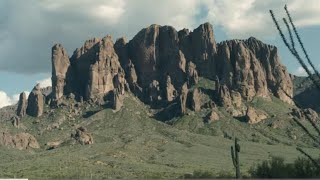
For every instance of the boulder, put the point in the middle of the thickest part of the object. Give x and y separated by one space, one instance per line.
311 114
254 116
15 121
35 102
82 136
214 116
297 113
53 144
22 105
19 141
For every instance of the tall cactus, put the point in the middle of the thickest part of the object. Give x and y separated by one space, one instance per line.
235 157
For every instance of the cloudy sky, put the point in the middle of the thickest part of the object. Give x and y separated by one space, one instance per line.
28 29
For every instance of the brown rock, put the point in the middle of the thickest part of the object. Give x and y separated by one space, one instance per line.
35 102
54 144
214 116
121 49
170 90
236 99
22 105
277 76
60 67
120 83
183 99
20 141
224 97
192 74
131 74
311 114
196 100
95 65
298 113
253 116
83 137
155 52
117 100
204 49
15 121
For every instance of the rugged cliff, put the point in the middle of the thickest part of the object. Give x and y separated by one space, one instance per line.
159 60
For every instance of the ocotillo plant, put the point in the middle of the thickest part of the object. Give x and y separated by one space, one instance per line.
294 52
235 157
292 47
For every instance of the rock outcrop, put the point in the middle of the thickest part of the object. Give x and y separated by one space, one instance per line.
195 98
214 116
192 74
224 97
60 67
169 90
243 69
311 114
94 67
20 141
117 100
22 105
305 114
82 136
254 116
183 99
155 53
35 102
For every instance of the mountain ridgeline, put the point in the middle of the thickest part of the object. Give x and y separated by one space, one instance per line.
160 65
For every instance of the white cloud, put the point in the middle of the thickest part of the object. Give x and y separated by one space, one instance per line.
71 22
301 72
45 83
6 100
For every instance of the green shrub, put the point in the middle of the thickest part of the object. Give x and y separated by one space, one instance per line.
277 168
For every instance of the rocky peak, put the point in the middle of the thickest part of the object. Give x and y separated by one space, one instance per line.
159 60
60 66
22 105
35 102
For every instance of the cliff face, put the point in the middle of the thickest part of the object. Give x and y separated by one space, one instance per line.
157 53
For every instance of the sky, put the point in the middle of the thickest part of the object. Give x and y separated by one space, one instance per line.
28 29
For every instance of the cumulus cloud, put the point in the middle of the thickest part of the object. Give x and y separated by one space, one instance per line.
45 83
28 29
6 100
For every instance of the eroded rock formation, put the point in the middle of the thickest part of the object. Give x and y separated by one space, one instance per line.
242 69
22 105
35 102
20 141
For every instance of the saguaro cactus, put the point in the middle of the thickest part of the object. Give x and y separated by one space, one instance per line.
235 157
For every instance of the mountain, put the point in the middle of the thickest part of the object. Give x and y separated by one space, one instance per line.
305 93
165 104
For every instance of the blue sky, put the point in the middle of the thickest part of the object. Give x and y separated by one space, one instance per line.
28 29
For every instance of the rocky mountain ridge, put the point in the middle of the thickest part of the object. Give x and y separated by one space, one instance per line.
160 65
